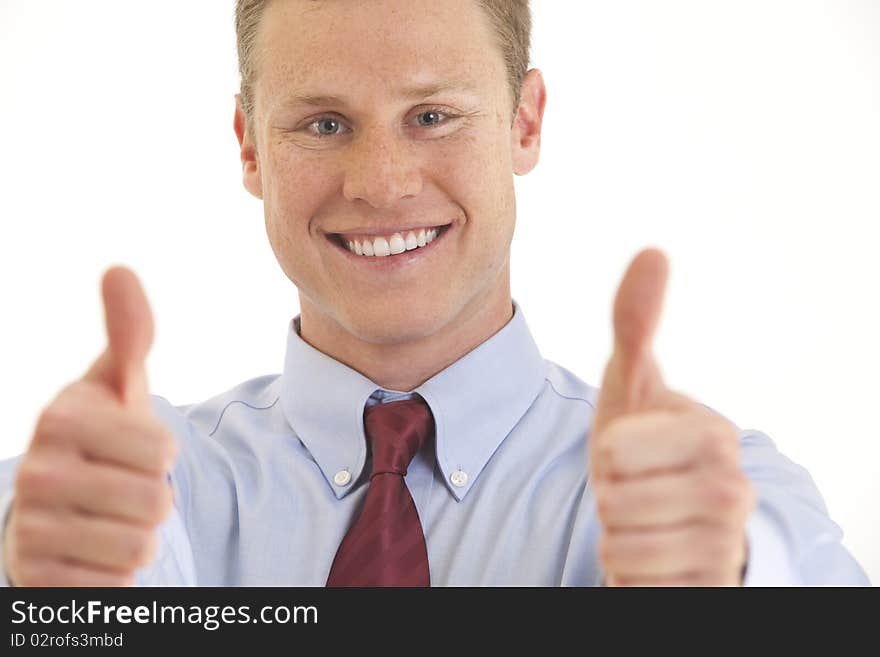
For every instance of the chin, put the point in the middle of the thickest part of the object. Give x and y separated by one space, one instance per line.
394 325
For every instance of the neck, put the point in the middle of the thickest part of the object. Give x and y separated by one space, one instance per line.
405 365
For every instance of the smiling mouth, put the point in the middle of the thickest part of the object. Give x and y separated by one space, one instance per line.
376 246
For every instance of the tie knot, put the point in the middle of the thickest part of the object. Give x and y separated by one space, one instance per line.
397 430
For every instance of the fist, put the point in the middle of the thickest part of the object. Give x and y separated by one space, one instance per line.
92 486
670 493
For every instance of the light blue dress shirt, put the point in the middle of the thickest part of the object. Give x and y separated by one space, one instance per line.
272 473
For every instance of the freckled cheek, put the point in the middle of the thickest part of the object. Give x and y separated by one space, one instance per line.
297 190
477 180
467 170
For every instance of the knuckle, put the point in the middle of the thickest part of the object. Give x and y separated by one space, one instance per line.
604 503
33 476
169 446
164 447
156 501
62 418
719 550
28 573
725 494
138 548
52 422
604 454
735 495
607 445
723 550
30 531
51 573
607 550
17 574
720 442
45 475
152 503
729 435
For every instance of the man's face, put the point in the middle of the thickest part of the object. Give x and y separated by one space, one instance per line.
379 159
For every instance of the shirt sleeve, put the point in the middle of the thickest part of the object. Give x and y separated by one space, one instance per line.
768 561
792 540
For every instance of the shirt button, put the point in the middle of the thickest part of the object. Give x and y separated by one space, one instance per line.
459 478
342 477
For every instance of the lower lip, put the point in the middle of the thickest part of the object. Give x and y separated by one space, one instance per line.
420 256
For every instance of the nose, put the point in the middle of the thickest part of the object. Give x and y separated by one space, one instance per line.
382 169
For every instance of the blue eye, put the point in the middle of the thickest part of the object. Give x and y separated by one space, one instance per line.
431 112
323 122
330 123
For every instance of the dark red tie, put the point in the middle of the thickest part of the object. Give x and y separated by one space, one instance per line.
386 545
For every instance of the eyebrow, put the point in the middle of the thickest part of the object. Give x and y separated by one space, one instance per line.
408 93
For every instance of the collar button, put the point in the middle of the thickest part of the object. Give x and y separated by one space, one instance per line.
459 478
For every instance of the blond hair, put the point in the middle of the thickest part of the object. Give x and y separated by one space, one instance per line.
511 21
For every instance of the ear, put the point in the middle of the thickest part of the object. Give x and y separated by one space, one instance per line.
253 181
525 136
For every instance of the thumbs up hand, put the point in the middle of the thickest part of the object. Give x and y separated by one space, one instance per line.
92 486
670 493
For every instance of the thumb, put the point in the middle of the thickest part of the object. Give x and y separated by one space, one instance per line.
632 380
129 321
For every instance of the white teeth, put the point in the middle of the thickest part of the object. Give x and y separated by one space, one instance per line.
397 243
380 247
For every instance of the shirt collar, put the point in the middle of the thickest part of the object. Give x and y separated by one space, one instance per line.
475 402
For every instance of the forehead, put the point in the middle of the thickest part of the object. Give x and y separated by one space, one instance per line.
342 46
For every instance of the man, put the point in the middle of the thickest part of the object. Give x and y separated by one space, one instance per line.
415 436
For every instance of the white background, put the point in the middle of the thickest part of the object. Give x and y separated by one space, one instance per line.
742 138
